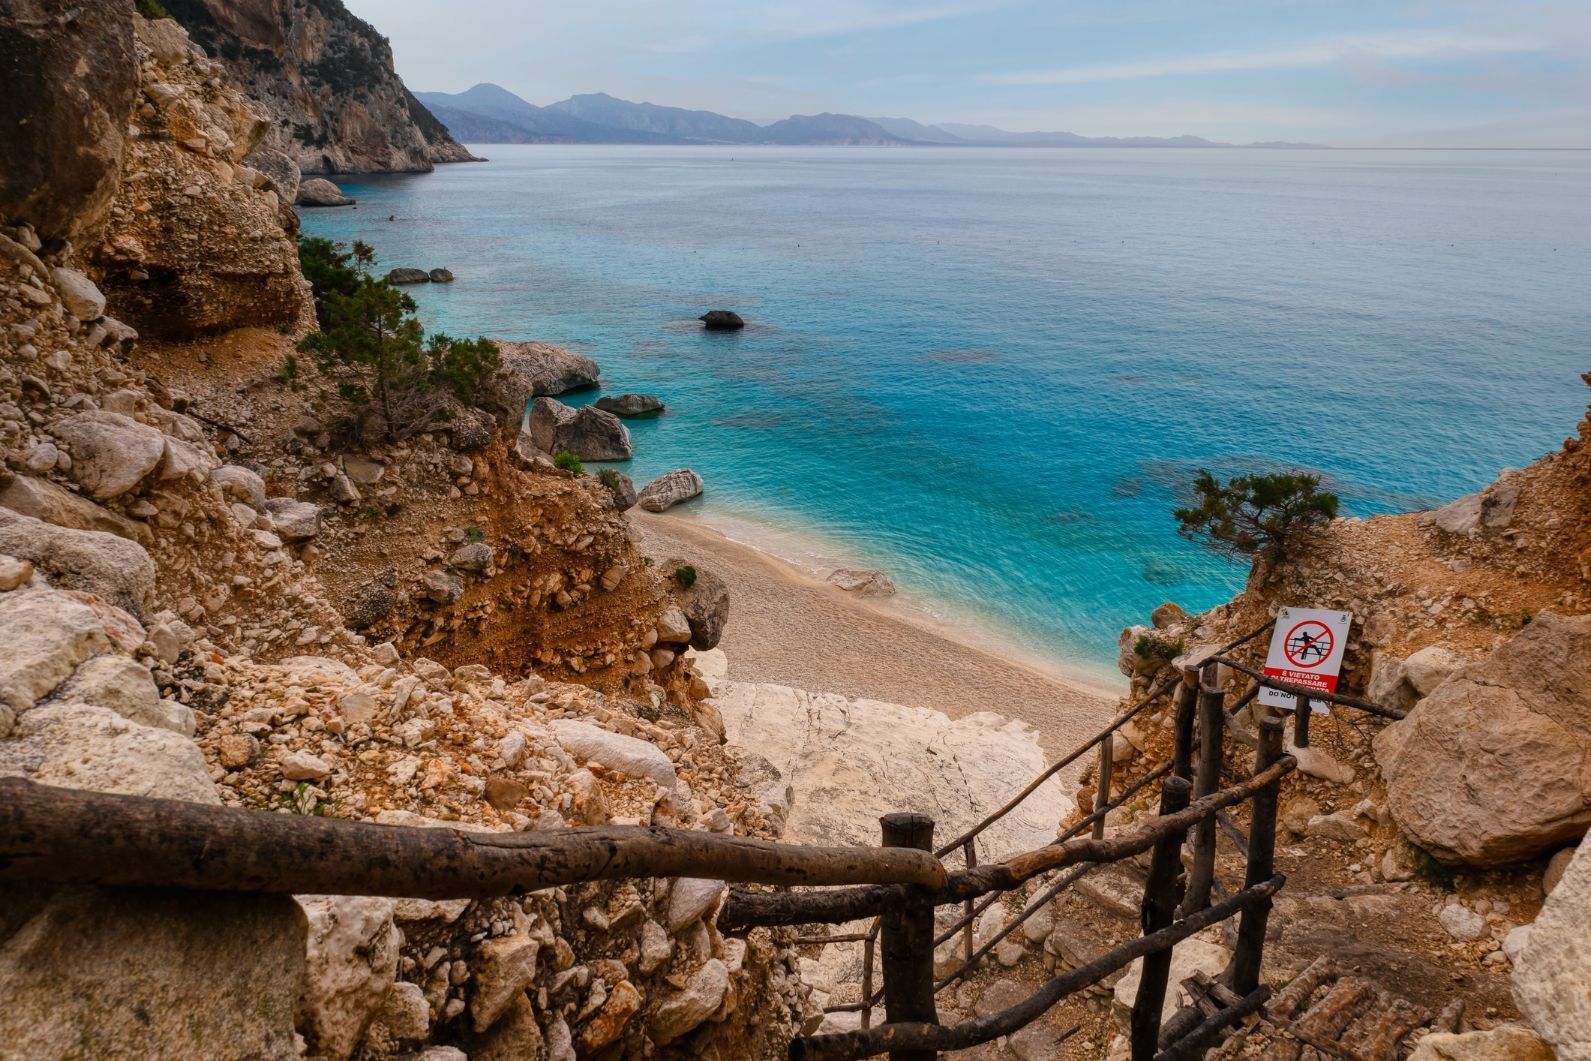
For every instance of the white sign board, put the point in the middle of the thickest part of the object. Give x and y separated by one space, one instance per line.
1307 646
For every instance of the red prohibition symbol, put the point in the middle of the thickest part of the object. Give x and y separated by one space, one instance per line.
1308 644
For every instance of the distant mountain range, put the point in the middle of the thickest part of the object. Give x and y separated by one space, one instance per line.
490 114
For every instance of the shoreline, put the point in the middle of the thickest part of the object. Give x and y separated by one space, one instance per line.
789 627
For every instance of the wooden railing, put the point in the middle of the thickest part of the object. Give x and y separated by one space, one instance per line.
72 836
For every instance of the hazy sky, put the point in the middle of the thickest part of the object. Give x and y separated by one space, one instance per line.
1463 72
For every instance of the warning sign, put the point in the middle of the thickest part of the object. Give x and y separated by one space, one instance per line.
1306 649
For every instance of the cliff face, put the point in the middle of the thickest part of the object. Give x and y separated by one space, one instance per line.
327 81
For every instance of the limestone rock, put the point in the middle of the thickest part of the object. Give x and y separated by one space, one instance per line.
317 191
471 556
405 1011
1552 977
82 746
670 489
441 276
240 484
351 958
863 583
302 766
1462 923
1188 957
43 500
295 521
79 295
503 968
46 636
1557 866
118 570
630 404
127 688
684 1012
587 432
852 761
1495 765
604 1029
542 369
133 974
705 602
616 752
1506 1042
690 899
442 587
1430 667
622 487
65 112
403 277
280 171
112 454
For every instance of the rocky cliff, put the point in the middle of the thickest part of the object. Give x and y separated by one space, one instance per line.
327 82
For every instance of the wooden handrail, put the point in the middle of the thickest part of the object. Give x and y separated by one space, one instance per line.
70 835
1368 706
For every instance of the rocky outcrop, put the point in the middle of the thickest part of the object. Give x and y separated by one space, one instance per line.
403 277
202 241
588 433
318 191
546 370
109 566
327 81
630 404
721 320
670 489
1495 764
1552 979
703 599
66 90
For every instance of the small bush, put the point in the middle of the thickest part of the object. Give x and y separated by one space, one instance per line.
288 375
1256 515
474 534
685 576
151 9
569 462
646 561
1153 646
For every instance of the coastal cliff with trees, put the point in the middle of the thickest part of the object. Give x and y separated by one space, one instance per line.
266 545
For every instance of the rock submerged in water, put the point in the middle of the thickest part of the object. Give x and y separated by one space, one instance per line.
863 583
721 320
441 276
408 276
670 489
630 404
587 432
318 191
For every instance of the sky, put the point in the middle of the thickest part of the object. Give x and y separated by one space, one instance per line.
1470 73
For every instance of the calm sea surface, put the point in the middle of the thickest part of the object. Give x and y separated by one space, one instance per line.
991 372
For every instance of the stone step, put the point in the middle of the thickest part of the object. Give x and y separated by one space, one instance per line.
1113 890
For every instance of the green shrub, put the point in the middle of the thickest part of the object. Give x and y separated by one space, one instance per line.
474 534
685 576
151 9
569 462
1256 515
1153 646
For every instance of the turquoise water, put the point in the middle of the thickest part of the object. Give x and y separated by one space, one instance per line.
989 372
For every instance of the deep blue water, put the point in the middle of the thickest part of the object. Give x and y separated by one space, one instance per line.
989 372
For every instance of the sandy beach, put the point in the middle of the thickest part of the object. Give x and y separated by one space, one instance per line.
789 628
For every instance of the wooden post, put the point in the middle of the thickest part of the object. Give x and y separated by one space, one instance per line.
1212 725
908 939
1243 974
867 975
970 853
1187 709
1161 895
1301 721
1102 796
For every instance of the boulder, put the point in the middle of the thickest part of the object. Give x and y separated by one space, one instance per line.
82 746
630 404
705 602
690 900
683 1012
46 637
543 369
670 489
1430 667
133 974
371 603
295 521
318 191
471 556
1552 977
1492 509
616 752
126 687
863 583
1494 766
503 968
588 433
442 587
852 761
79 295
240 484
44 500
112 454
408 276
115 569
65 111
351 959
279 169
470 431
621 486
441 276
721 320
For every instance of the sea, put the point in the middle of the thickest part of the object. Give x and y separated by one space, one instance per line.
992 373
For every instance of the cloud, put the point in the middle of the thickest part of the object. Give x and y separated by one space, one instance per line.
1384 46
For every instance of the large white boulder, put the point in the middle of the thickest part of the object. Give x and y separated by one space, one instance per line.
351 960
669 489
106 565
83 746
616 752
112 454
1552 976
46 636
